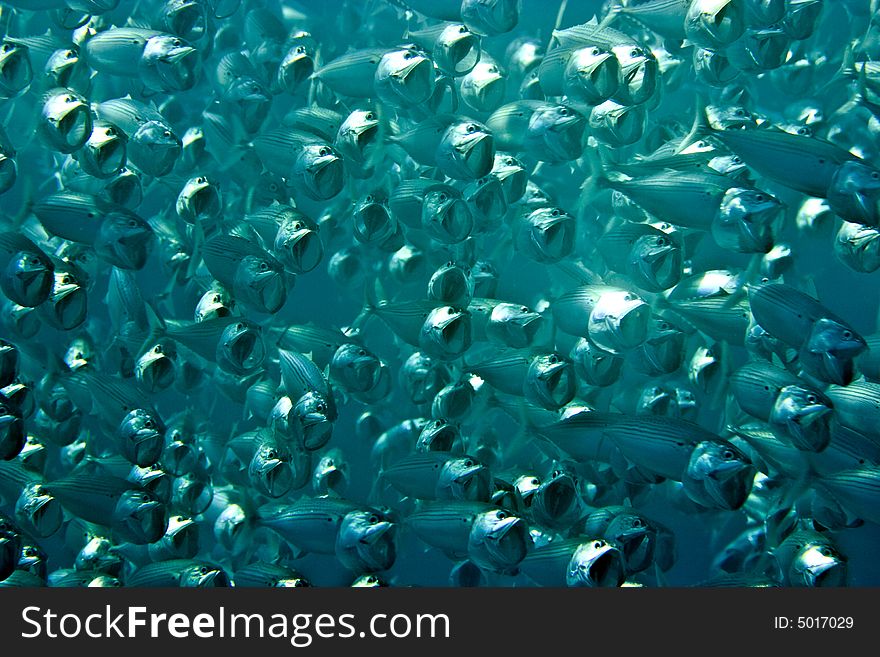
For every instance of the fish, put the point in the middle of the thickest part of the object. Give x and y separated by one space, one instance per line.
184 573
576 562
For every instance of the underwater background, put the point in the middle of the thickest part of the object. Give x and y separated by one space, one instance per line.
501 265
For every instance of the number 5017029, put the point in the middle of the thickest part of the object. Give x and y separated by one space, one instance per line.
824 622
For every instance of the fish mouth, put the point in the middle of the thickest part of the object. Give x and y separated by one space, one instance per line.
43 512
75 125
276 477
156 372
507 542
214 578
327 176
602 76
373 533
306 249
463 52
638 79
661 266
490 92
159 157
604 569
556 496
478 152
149 521
204 200
557 384
823 568
332 476
638 549
15 70
32 281
374 222
629 328
474 483
177 67
316 429
729 485
70 306
271 291
454 333
294 69
454 222
524 329
554 238
416 80
724 25
109 155
243 346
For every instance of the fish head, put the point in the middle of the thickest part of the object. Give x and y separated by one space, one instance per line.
124 189
67 305
446 333
498 540
366 541
635 538
510 171
719 475
28 278
440 435
715 23
405 77
296 66
270 470
834 338
484 87
252 99
204 575
466 151
232 529
181 540
526 486
515 325
456 50
619 321
355 368
658 260
214 303
592 75
745 219
359 135
33 559
818 565
156 367
321 170
16 73
804 417
855 193
314 414
185 18
547 234
66 68
639 73
124 239
858 246
451 283
331 474
260 280
595 563
139 517
104 154
199 200
241 349
486 196
550 381
616 124
99 554
560 129
159 146
38 510
767 47
556 499
168 63
141 436
490 17
713 67
465 478
594 365
445 215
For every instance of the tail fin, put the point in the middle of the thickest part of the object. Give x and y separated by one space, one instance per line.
700 127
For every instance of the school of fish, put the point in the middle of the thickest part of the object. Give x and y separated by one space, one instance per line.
439 293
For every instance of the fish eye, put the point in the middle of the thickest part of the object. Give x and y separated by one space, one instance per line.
847 335
442 197
362 352
728 454
368 198
634 52
501 515
662 241
158 349
374 519
203 570
594 51
166 133
509 161
664 326
468 463
69 99
324 151
597 544
3 410
554 212
6 47
811 399
132 223
239 327
149 424
300 49
739 111
272 454
471 128
65 280
553 359
450 310
70 54
637 522
803 131
563 111
201 180
264 266
875 175
321 408
297 225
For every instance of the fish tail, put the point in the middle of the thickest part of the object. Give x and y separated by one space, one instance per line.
613 12
700 127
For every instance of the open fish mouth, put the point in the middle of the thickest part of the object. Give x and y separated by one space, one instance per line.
595 565
271 291
276 477
177 68
416 80
508 541
454 333
327 176
70 306
725 25
75 126
602 76
463 53
556 497
455 221
638 549
15 70
477 151
822 567
243 347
